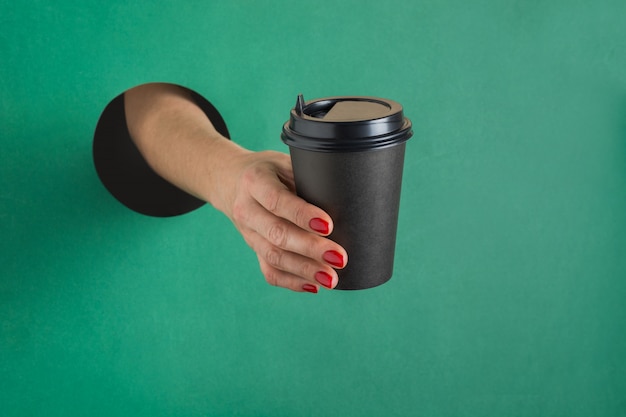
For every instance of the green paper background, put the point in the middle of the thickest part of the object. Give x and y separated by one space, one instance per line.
509 291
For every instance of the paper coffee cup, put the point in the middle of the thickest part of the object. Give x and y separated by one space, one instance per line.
347 155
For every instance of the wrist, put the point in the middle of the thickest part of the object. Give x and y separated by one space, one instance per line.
223 166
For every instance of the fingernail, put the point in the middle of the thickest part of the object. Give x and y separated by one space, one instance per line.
319 225
310 288
324 279
334 258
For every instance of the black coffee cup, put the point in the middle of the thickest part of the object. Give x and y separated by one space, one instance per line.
347 155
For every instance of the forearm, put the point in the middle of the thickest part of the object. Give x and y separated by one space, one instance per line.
178 140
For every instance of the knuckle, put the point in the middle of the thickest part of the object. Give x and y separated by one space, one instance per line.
306 270
300 215
250 175
248 239
273 257
239 212
271 276
271 200
314 245
268 272
277 234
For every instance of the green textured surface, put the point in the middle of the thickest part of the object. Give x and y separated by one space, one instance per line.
509 295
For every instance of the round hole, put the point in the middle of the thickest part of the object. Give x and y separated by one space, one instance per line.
125 173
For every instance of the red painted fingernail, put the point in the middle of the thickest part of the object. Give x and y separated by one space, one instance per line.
310 288
319 225
334 258
324 279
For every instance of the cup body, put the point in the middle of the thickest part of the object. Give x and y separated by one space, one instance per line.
361 193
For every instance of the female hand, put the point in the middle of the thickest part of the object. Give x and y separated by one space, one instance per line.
286 232
254 189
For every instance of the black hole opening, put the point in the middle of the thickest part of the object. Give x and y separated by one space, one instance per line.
125 173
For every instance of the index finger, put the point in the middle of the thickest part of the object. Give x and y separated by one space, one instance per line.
276 198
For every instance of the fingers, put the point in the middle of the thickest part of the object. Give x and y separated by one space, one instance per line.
289 256
276 198
287 233
290 270
283 279
286 236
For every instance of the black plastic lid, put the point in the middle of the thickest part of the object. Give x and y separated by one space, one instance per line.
346 124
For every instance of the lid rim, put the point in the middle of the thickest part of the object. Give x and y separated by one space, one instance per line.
296 140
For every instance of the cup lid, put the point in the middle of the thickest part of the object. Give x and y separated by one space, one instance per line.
346 124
